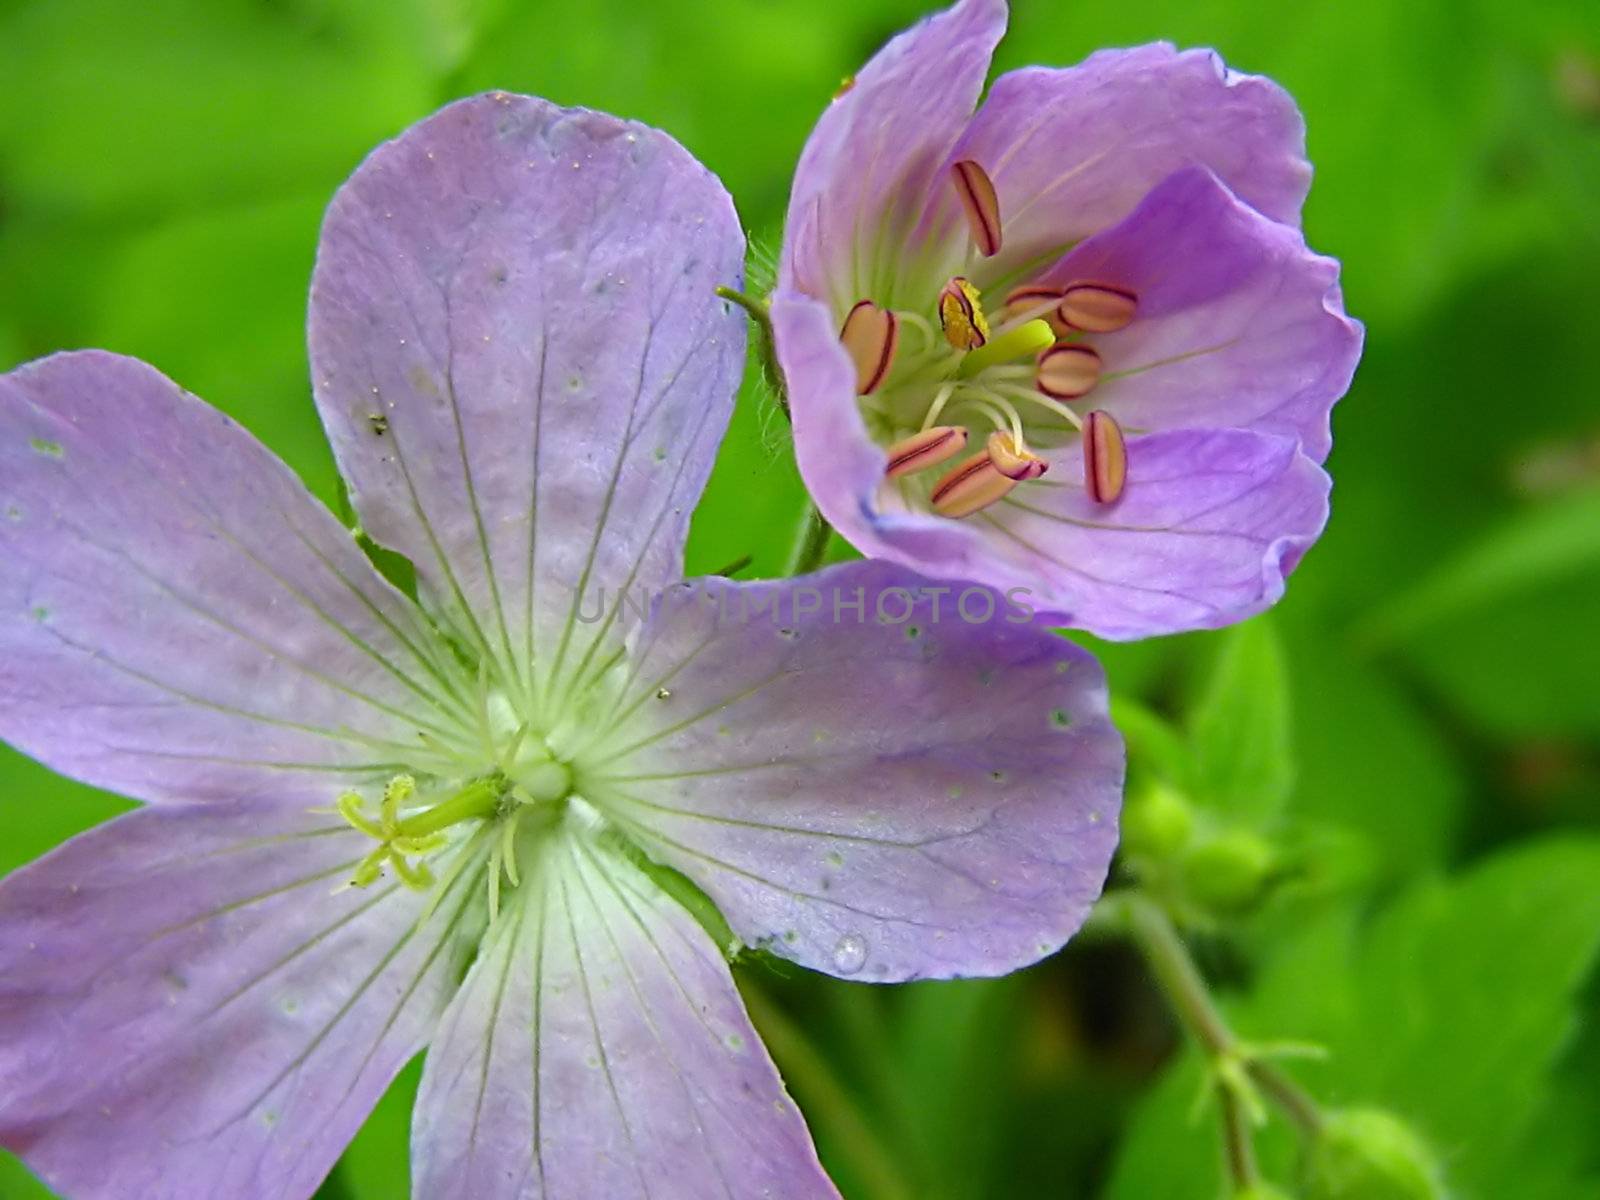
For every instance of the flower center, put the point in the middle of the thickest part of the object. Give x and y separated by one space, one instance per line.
929 379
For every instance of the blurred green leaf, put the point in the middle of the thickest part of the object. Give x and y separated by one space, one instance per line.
112 106
1366 758
1539 546
1240 725
217 301
1154 744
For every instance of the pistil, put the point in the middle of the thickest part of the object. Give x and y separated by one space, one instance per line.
402 839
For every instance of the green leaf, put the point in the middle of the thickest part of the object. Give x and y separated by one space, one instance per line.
1155 747
1543 545
1240 726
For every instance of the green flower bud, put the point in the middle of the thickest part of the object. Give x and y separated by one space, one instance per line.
1369 1154
1157 822
1228 870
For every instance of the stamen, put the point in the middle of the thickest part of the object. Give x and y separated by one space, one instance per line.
975 484
927 448
978 197
1098 307
961 315
1068 370
870 335
1030 303
1014 460
1105 457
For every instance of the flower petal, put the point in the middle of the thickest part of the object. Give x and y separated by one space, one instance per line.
599 1051
1239 325
870 775
1208 527
190 1013
179 619
1071 151
523 366
881 145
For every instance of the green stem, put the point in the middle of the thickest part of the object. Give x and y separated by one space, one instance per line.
756 308
829 1102
810 543
1294 1100
766 341
1175 971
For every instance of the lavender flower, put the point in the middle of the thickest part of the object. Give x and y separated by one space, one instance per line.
374 825
1073 342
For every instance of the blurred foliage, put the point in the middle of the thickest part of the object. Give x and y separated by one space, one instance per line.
1412 739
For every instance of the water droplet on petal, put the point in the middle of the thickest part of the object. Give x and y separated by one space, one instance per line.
850 955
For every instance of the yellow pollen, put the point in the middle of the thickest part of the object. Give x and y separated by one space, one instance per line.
961 315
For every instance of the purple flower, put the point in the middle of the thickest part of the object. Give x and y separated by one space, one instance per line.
1073 342
376 825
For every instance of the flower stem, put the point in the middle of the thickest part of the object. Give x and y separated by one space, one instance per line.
766 342
1235 1067
1176 972
810 543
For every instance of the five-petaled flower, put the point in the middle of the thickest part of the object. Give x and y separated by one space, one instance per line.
376 824
1073 341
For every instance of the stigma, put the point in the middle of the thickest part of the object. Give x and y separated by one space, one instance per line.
405 840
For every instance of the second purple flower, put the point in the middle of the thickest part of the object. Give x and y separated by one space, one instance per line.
1074 342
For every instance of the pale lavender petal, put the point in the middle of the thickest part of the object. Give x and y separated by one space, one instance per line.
179 619
1072 151
870 773
1239 325
869 164
599 1051
1207 530
522 363
190 1012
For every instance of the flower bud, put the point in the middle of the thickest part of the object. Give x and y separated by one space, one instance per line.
1370 1154
1228 870
1157 822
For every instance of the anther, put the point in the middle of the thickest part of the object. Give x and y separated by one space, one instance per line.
924 449
961 315
1012 460
870 335
974 485
978 197
1105 457
1098 307
1068 370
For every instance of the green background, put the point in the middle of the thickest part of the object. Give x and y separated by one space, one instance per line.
1415 732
